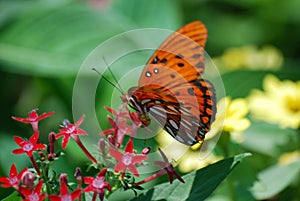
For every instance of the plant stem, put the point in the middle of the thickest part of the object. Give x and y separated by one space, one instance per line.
94 197
154 176
35 165
87 153
45 175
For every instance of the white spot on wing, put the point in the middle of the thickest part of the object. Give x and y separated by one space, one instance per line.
158 111
169 130
145 101
180 139
173 124
148 74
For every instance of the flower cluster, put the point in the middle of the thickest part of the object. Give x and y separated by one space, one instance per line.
116 149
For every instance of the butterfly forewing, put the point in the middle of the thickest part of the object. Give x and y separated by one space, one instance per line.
182 52
171 90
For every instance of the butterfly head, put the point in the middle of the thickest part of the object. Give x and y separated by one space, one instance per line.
129 99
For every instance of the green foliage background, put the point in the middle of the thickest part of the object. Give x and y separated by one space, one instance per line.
44 42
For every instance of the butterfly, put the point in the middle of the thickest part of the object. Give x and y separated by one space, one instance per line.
171 89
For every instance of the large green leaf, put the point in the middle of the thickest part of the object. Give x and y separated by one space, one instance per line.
198 184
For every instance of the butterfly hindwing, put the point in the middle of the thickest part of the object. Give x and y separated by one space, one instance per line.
186 113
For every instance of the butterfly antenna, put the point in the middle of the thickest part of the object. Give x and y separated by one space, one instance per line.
113 76
107 80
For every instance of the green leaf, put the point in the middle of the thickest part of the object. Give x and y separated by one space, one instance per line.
274 179
13 197
198 184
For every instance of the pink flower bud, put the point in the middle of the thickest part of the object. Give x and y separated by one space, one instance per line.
63 178
52 139
102 146
111 140
28 179
78 174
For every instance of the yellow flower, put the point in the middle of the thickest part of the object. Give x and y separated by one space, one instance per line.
288 158
231 117
186 158
279 103
268 57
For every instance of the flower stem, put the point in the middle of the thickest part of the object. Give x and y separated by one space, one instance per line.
94 196
87 153
35 165
152 177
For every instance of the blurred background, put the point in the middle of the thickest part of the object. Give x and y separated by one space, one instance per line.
255 45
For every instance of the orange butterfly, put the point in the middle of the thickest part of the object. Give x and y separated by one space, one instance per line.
171 89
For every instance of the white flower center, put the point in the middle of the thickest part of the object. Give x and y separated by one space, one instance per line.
66 198
127 159
34 197
13 181
71 129
28 147
98 182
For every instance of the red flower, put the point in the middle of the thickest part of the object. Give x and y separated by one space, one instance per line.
120 126
167 167
28 146
97 185
119 113
128 159
33 119
64 195
14 178
119 129
34 195
70 130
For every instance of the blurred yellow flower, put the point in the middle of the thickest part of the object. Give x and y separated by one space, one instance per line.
187 159
288 158
279 103
231 117
268 57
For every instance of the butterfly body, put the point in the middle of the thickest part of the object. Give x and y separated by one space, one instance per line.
172 90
